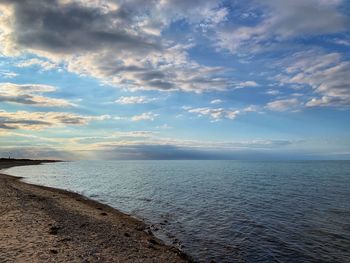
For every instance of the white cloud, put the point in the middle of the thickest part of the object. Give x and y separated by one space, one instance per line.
164 127
44 64
283 20
272 92
204 12
134 100
246 84
118 118
146 116
41 120
8 74
327 75
322 101
216 101
344 42
30 94
136 134
283 105
215 113
252 108
118 135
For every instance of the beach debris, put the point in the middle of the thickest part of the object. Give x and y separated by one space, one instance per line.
54 230
153 241
84 225
53 251
149 231
66 239
154 228
140 228
151 246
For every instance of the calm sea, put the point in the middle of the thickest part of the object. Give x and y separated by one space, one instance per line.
229 211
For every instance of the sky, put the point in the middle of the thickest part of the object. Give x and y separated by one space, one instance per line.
199 79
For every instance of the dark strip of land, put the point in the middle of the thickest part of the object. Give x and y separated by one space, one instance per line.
42 224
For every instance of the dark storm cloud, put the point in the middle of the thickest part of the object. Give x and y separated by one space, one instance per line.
72 27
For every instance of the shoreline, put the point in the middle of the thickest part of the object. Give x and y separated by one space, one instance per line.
45 224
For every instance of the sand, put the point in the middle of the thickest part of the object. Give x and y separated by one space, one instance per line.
41 224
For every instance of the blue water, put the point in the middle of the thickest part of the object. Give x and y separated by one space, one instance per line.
229 211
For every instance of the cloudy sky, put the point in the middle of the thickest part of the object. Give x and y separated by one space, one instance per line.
175 79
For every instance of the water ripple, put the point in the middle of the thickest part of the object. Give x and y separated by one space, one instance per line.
228 211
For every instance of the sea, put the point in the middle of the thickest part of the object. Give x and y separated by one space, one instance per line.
226 211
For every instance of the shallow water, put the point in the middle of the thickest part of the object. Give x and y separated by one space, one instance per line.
230 211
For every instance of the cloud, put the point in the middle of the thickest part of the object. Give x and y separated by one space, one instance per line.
283 105
146 116
43 64
158 152
251 108
195 144
29 94
8 74
130 145
41 120
343 42
272 92
38 152
118 43
6 127
283 20
322 101
216 101
85 141
246 84
215 113
134 100
150 145
206 12
258 150
158 148
166 70
165 126
134 134
326 74
66 27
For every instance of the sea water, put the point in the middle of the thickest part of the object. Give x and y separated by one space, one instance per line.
227 211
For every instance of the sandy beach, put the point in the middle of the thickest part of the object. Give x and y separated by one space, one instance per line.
41 224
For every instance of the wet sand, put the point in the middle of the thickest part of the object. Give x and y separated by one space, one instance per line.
42 224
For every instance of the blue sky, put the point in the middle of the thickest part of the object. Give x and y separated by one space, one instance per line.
105 79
